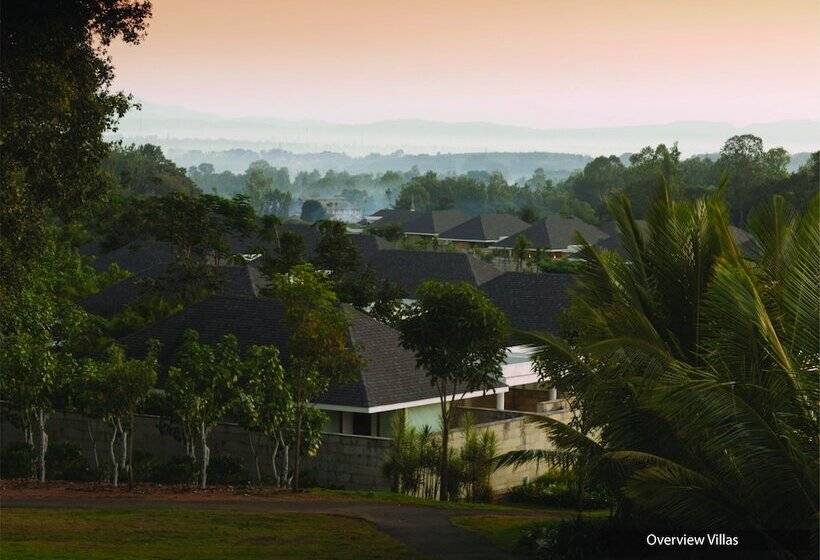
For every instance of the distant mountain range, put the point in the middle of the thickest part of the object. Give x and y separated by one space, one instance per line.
188 130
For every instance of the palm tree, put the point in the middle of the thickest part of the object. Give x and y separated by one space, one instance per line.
696 368
520 251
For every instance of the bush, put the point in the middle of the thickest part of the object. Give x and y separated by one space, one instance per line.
17 461
569 540
180 469
559 265
65 461
557 490
227 469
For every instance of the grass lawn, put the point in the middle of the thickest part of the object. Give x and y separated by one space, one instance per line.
506 530
393 497
185 534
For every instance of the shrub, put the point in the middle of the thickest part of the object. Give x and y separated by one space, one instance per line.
227 469
17 461
575 539
559 265
65 461
180 469
557 490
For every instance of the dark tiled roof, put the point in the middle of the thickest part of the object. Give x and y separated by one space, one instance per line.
393 216
389 373
368 245
486 227
252 320
435 222
409 269
557 232
531 301
136 256
388 376
234 281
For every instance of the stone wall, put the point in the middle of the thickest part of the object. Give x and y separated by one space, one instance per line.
513 433
345 461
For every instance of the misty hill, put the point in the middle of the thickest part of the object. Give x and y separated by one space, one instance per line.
187 130
512 165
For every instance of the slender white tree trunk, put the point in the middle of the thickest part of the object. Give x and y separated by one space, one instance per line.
123 447
273 460
203 480
93 445
115 466
42 417
255 457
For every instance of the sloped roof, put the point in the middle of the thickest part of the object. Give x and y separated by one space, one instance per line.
556 232
234 281
435 222
390 216
388 375
409 269
252 320
136 256
368 245
531 301
486 227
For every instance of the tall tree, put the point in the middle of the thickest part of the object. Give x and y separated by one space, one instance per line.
459 339
319 348
203 384
57 103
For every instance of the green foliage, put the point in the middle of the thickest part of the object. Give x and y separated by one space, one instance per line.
313 211
17 461
557 490
459 339
697 367
559 265
65 461
320 351
57 103
576 539
145 171
477 456
203 384
391 232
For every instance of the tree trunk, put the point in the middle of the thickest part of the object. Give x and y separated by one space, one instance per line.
131 455
203 479
297 460
274 453
42 418
123 447
286 465
444 490
115 474
255 457
93 445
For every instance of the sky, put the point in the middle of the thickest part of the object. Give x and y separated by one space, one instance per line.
538 63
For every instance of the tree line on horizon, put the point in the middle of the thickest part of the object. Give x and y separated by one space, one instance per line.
753 174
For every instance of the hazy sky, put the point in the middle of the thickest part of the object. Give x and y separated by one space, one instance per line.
542 63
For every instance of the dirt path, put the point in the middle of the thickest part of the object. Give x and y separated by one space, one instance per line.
425 529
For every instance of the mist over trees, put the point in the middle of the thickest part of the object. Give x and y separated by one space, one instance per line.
753 172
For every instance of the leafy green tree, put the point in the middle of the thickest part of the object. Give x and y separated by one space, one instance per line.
695 368
203 384
57 103
257 188
313 211
145 171
459 339
118 387
268 407
749 169
319 348
599 177
520 251
335 251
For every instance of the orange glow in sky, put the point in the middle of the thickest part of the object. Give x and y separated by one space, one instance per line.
543 63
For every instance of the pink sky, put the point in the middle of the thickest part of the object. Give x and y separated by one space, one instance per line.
542 63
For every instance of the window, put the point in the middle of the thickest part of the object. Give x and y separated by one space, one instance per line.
361 424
